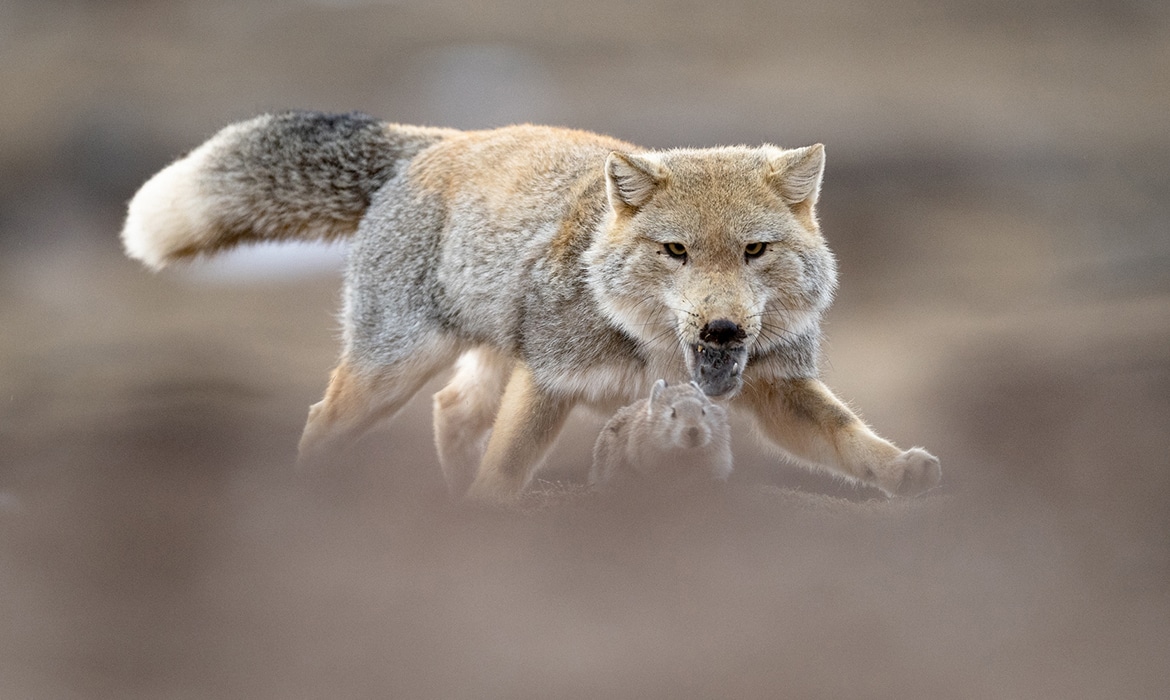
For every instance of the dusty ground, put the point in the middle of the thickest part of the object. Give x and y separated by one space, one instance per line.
997 194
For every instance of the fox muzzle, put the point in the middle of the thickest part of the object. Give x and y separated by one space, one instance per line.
717 369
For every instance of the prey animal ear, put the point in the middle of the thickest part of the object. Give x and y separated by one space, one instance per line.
657 389
655 395
796 174
630 180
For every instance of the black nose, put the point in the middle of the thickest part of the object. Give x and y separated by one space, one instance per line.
722 332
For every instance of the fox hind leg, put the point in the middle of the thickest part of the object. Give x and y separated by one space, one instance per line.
464 411
527 423
360 397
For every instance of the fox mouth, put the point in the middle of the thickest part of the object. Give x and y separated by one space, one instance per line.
717 369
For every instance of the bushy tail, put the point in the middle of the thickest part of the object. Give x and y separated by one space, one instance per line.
295 175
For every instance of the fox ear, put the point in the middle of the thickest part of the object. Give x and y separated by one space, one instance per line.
656 391
630 180
797 173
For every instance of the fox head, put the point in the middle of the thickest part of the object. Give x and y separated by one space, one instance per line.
715 254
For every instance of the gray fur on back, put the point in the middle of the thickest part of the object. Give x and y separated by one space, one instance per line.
298 175
424 264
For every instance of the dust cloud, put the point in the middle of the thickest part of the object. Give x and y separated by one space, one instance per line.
996 193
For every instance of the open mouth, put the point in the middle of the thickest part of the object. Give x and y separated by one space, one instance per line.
718 370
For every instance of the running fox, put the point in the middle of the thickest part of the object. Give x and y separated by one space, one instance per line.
551 267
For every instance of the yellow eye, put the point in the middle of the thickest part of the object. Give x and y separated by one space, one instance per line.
676 250
754 250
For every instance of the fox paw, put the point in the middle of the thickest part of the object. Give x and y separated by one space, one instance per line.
911 473
494 490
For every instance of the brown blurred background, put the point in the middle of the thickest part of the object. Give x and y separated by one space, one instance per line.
997 192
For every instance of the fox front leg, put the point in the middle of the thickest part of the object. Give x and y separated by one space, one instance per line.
526 425
805 419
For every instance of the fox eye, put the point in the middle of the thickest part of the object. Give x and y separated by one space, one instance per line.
754 250
676 250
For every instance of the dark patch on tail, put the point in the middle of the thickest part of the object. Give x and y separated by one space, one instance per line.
301 175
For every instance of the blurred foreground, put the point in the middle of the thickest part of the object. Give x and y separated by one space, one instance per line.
997 196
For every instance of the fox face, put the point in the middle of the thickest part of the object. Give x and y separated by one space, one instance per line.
714 254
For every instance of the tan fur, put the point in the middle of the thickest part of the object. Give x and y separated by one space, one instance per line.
553 267
464 411
357 399
528 421
803 418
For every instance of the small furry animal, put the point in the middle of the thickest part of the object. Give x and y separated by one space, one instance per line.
675 436
551 267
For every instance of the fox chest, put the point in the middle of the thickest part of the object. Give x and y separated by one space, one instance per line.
602 368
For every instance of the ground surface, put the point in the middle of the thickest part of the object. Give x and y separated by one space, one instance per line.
996 193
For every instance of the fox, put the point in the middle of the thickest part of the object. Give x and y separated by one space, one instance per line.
677 436
546 267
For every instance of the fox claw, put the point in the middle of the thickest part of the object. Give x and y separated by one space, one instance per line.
918 471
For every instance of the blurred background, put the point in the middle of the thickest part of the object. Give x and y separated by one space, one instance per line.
998 195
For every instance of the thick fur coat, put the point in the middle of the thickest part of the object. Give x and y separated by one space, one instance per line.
550 267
